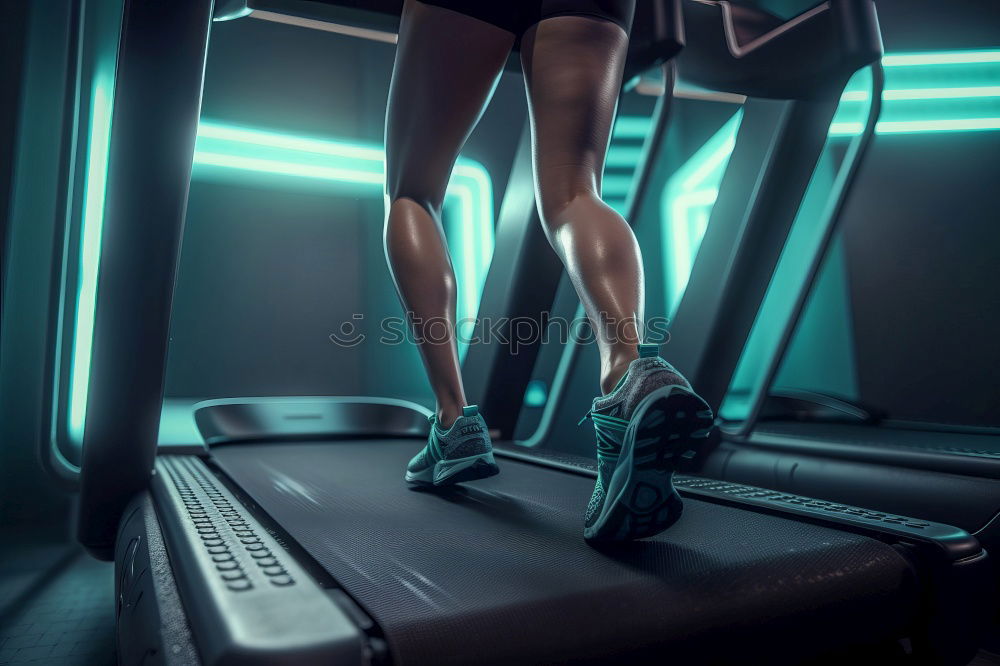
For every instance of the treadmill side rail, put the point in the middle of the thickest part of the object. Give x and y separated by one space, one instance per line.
248 601
954 544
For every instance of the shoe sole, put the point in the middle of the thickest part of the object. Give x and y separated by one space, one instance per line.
668 424
450 472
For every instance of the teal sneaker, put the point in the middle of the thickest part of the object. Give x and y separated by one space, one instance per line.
463 452
651 419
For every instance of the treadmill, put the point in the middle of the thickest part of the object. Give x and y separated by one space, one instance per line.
286 535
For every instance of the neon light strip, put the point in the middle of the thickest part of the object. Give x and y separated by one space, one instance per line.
470 195
720 151
941 58
210 130
686 235
102 102
470 192
930 108
685 204
616 184
970 92
287 168
623 156
913 126
631 127
689 194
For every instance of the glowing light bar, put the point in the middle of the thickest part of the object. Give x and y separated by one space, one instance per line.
940 58
287 168
686 204
210 130
913 126
969 92
948 91
631 127
102 101
616 184
468 204
469 201
623 156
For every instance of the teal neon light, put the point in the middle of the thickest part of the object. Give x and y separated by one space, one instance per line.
470 197
616 184
951 91
537 393
631 127
941 58
911 94
915 103
468 205
98 143
285 168
623 156
624 153
289 142
686 203
914 126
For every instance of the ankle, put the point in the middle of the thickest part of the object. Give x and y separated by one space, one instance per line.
615 370
447 415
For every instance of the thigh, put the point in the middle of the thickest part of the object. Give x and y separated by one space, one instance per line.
446 68
573 68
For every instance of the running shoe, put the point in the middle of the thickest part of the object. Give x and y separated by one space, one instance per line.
463 452
644 426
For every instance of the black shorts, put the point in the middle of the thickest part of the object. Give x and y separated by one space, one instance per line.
516 16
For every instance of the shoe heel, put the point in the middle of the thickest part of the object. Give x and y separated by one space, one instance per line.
668 423
671 423
481 466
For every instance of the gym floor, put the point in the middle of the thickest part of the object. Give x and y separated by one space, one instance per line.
56 606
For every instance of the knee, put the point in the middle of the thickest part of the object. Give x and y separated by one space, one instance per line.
402 190
557 205
564 183
404 200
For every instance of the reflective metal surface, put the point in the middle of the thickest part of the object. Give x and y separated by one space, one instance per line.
249 419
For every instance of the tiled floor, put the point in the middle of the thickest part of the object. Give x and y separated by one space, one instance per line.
69 620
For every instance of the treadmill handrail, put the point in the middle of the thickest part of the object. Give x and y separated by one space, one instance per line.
829 222
729 26
808 56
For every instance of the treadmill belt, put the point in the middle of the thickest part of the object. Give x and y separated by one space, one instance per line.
497 571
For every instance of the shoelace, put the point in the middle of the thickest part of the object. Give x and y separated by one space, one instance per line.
610 431
433 447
